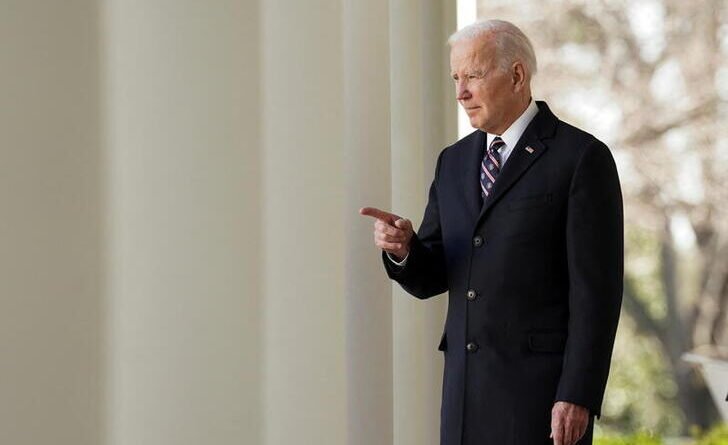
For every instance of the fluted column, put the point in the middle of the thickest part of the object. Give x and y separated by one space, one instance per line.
181 82
367 154
50 263
423 123
304 234
327 154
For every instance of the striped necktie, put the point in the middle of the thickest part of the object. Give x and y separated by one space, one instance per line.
490 167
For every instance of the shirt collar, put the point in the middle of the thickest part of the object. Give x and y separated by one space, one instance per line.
515 131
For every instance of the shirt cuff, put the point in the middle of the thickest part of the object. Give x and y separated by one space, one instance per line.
398 263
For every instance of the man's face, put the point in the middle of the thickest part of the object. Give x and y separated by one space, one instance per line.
486 92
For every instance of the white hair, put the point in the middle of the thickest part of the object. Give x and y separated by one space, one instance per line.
511 43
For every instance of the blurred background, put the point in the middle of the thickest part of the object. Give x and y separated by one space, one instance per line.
650 78
181 258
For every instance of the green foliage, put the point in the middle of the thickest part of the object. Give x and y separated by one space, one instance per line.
640 438
718 435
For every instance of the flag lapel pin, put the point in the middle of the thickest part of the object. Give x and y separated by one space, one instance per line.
529 149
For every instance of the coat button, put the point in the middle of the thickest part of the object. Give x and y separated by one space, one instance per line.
471 295
478 241
471 347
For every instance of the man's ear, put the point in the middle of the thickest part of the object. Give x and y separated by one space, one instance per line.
518 75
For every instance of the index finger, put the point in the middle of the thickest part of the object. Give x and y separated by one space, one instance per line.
557 433
390 218
557 426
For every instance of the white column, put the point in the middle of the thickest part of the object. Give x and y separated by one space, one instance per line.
467 13
49 228
367 152
303 222
180 79
423 119
327 155
248 125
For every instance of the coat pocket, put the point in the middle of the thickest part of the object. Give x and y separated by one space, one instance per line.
547 341
527 202
443 343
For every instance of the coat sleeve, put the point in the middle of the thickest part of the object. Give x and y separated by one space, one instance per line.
595 251
424 275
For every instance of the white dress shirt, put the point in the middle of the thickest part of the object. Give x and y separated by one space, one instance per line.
510 137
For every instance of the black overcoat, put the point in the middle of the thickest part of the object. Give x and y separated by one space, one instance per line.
534 278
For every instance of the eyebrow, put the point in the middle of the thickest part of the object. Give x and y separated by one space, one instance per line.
476 72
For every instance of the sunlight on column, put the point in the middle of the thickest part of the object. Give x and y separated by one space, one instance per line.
467 14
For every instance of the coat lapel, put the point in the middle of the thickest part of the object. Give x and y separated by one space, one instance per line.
528 149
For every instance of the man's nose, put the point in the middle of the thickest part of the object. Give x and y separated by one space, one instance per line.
462 90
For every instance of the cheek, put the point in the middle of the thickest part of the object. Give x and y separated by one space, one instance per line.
480 93
485 97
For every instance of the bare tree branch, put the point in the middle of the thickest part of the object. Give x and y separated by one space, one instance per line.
651 133
638 312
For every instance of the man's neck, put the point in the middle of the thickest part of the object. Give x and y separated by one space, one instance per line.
518 111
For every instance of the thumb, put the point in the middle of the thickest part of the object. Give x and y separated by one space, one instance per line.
403 223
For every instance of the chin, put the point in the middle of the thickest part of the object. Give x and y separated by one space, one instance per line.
476 123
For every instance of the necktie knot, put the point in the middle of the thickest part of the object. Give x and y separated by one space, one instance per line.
496 144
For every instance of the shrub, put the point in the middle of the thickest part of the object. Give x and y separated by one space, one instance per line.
718 435
640 438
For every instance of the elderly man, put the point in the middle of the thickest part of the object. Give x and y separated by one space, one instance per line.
524 228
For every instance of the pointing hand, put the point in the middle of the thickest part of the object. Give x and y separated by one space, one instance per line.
391 232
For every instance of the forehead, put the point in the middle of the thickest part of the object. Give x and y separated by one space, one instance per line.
472 53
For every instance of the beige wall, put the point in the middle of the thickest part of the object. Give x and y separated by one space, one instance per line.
182 259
